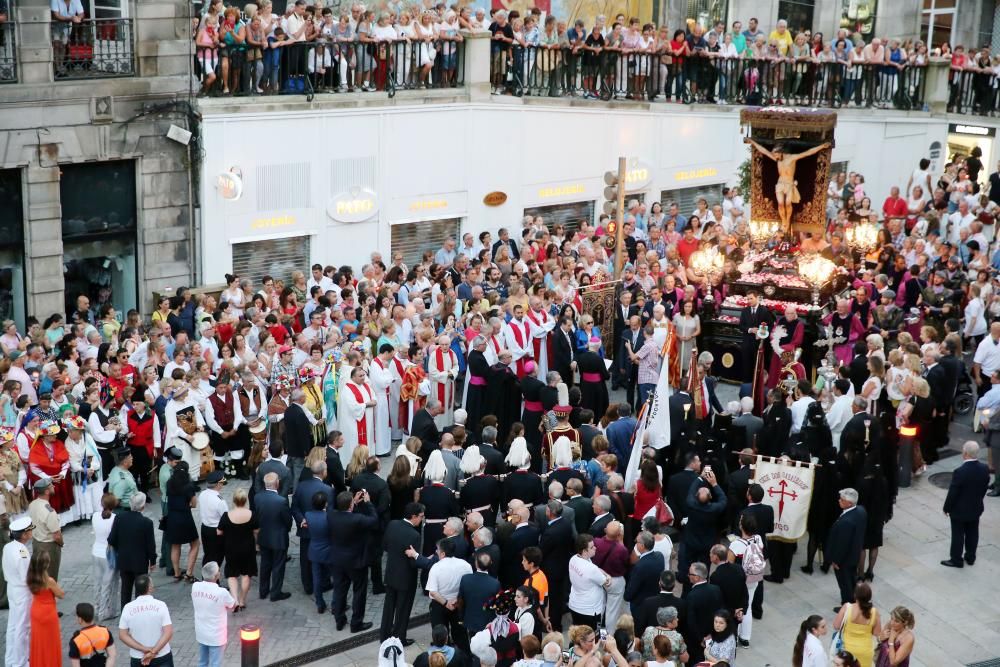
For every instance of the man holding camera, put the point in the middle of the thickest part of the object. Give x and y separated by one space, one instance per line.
354 516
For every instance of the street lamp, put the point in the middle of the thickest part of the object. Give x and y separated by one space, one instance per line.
249 645
906 436
816 270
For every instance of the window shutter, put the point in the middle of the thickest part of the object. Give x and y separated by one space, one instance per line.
277 258
687 198
413 238
567 215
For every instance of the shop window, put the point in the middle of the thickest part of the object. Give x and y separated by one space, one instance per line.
13 295
707 12
687 198
99 235
413 238
798 14
568 215
858 17
277 258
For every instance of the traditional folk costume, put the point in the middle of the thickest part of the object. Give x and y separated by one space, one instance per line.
276 408
104 426
786 337
380 378
48 459
143 440
223 413
315 405
442 369
330 384
12 474
85 469
517 340
357 419
182 421
561 429
541 325
253 405
848 326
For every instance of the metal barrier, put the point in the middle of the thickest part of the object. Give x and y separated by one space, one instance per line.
616 74
93 48
973 92
8 53
307 68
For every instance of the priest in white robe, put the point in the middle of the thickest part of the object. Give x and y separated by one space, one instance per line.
356 414
517 341
494 341
380 377
541 325
398 423
442 369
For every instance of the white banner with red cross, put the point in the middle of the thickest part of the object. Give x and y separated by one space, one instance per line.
788 489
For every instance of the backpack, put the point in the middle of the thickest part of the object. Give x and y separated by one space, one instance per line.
753 560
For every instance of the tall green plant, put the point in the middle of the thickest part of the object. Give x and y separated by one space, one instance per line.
743 171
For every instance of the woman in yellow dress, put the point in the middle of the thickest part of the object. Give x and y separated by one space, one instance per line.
859 625
315 405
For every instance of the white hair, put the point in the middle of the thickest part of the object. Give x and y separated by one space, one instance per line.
850 495
733 407
746 404
435 469
518 456
461 416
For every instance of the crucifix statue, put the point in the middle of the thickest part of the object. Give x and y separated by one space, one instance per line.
786 191
829 343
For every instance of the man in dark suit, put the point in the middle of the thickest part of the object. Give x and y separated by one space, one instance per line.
937 378
275 520
354 517
582 507
378 493
858 368
624 312
644 577
861 439
401 536
731 580
423 427
777 424
759 521
563 351
738 485
964 505
482 543
475 590
619 434
506 240
275 464
646 615
703 600
681 423
954 370
310 484
334 468
752 317
523 535
601 507
679 484
843 545
298 435
587 432
705 506
488 449
135 546
556 544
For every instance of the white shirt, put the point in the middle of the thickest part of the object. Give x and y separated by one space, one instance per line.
15 565
840 413
799 409
586 593
975 310
144 618
813 654
211 603
211 507
102 528
665 547
958 223
445 576
988 356
325 284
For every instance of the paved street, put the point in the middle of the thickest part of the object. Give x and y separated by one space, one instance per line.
957 611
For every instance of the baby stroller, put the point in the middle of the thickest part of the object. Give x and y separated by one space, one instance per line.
965 394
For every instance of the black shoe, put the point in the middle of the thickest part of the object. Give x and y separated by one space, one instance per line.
951 563
320 610
869 576
994 493
60 614
970 562
807 569
757 615
378 591
770 578
408 642
341 624
278 597
362 627
825 569
744 643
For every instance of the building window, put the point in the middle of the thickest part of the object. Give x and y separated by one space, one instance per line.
937 21
687 198
100 235
412 239
277 258
13 294
707 12
568 215
858 17
798 14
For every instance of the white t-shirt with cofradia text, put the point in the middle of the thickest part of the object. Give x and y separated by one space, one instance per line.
144 618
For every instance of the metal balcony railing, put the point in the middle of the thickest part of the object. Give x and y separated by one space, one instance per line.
8 52
93 48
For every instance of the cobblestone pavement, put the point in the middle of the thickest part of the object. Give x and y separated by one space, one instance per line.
957 611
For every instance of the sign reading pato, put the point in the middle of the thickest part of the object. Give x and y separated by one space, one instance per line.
355 206
495 198
230 184
637 176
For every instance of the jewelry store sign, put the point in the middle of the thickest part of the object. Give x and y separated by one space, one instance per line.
356 205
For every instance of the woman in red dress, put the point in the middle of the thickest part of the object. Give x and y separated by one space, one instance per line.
46 643
49 458
647 489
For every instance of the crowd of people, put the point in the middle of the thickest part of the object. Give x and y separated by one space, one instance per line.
453 416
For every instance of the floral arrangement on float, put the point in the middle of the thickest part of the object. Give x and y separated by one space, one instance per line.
776 305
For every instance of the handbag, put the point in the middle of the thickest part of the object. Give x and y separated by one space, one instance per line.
112 556
664 516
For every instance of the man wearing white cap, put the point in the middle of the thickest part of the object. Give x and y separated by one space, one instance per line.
15 570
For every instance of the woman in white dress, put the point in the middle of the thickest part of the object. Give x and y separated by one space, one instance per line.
234 295
872 388
85 468
406 32
688 327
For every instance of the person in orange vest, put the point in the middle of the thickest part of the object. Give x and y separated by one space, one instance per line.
92 645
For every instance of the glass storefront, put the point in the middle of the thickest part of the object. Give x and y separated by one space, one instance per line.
13 295
100 234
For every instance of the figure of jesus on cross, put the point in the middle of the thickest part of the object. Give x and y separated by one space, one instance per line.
786 191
